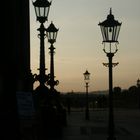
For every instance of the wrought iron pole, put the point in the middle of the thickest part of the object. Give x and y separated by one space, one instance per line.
52 82
111 111
87 103
42 75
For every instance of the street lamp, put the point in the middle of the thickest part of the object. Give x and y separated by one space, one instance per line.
110 29
52 35
87 78
42 10
48 114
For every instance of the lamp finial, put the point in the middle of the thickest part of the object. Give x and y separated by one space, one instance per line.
110 11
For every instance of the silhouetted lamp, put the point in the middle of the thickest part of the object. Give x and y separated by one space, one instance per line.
42 8
87 78
110 29
52 35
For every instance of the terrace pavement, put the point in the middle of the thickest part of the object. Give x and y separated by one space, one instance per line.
127 125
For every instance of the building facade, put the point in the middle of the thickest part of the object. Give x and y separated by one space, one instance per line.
14 62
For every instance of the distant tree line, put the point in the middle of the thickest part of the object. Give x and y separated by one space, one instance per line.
128 98
78 100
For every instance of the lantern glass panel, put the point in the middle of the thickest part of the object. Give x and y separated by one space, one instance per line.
41 12
86 77
55 35
102 31
51 36
106 33
113 33
37 11
46 11
117 32
110 33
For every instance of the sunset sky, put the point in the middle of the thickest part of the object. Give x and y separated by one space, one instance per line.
79 43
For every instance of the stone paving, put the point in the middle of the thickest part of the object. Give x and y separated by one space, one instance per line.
127 125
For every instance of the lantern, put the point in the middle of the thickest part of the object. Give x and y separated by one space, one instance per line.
42 8
110 29
52 33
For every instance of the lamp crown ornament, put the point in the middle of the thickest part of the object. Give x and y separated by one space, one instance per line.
42 3
52 28
110 16
86 73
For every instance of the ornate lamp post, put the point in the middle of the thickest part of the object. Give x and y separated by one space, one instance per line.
52 35
110 31
87 78
42 10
